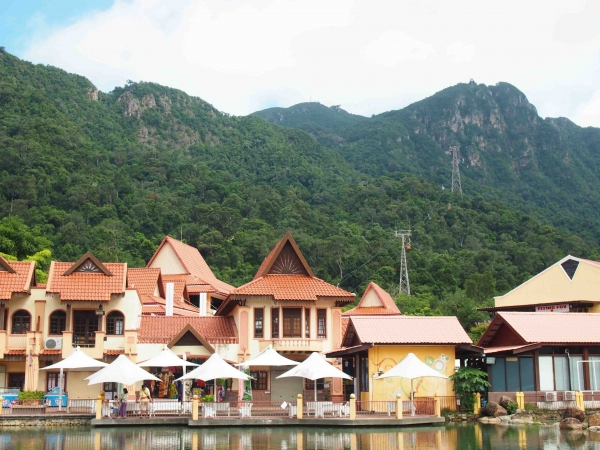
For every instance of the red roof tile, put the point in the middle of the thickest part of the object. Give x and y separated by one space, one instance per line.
157 306
86 286
266 267
194 263
161 330
15 352
18 282
557 328
292 287
409 330
145 280
114 352
388 307
53 351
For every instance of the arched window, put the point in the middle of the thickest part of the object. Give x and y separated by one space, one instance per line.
115 323
58 322
21 322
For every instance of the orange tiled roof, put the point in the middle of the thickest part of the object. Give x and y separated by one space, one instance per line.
388 307
194 263
292 287
409 330
53 351
143 280
162 330
15 352
19 281
179 286
557 328
157 306
86 286
114 352
268 262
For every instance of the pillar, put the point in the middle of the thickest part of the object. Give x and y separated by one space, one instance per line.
299 406
99 407
352 407
398 406
477 406
195 407
436 404
520 397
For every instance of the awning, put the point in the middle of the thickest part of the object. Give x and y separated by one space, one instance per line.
514 349
348 351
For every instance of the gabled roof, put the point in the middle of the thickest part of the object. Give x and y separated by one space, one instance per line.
286 276
157 306
545 328
285 258
96 286
162 330
179 287
15 277
144 280
88 263
194 264
403 330
386 303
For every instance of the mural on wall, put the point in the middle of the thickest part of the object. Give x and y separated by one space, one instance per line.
423 386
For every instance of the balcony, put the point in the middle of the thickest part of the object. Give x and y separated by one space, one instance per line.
16 341
297 344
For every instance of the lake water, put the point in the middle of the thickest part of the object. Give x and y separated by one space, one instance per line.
452 437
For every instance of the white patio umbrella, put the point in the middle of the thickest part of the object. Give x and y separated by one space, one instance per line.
121 370
77 360
411 367
268 357
214 367
168 358
313 368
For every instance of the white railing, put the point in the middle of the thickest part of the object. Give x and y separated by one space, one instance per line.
81 406
297 343
17 341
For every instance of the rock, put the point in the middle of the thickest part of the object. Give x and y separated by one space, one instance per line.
574 412
594 420
504 418
595 428
492 409
523 417
505 401
570 423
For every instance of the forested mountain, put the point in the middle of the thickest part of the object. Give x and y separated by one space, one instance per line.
114 172
546 166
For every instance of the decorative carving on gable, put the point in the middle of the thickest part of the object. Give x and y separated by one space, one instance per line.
288 263
88 266
188 339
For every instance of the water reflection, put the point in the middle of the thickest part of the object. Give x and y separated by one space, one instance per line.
288 438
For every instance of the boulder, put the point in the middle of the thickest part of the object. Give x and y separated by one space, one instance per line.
505 401
492 409
491 420
594 420
522 417
574 412
570 423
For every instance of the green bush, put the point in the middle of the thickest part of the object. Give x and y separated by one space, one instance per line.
511 408
468 381
208 398
31 395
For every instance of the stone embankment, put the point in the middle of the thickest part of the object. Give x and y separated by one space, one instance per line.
45 421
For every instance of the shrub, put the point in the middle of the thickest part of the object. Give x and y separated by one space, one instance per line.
468 381
511 408
31 395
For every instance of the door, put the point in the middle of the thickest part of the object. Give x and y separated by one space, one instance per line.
285 388
85 325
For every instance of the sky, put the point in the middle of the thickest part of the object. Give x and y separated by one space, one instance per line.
368 56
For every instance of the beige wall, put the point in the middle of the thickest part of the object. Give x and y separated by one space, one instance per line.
371 299
168 261
553 285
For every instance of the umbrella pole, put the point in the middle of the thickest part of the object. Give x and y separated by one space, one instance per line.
183 382
412 399
60 391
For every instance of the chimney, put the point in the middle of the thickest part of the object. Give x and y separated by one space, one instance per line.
170 294
202 304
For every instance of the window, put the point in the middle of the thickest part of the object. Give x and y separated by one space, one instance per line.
322 323
21 322
258 323
307 323
115 323
111 390
260 381
52 381
292 322
364 373
515 374
275 323
58 321
310 384
16 380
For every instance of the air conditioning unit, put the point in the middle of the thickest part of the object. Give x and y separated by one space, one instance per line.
550 396
569 396
53 343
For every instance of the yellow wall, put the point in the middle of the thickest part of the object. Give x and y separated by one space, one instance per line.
382 358
553 285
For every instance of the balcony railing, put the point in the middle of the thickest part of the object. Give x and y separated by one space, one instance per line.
16 341
297 344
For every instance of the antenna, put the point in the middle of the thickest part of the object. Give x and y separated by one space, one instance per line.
456 185
404 284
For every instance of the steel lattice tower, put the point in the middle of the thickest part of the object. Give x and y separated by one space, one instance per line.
404 285
456 185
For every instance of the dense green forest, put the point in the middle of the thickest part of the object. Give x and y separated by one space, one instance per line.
114 172
507 151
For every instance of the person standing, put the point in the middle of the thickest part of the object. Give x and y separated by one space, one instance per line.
123 403
145 400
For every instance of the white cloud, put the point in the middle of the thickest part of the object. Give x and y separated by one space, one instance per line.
589 113
369 56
